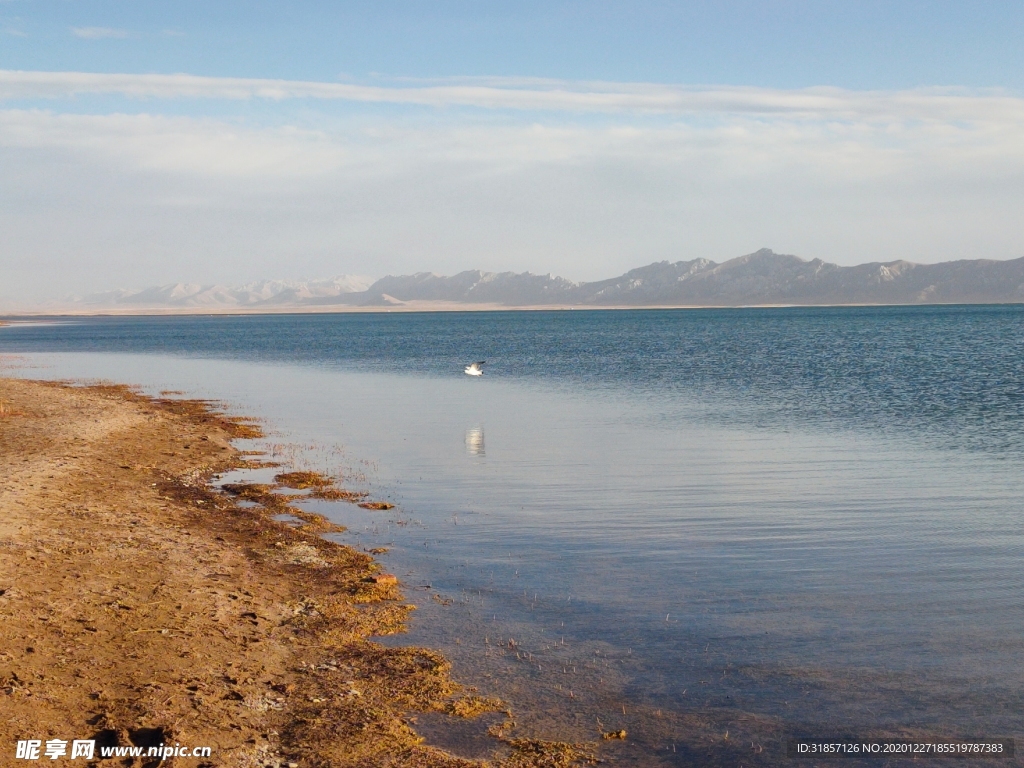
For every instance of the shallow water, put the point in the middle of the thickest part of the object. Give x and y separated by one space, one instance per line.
756 522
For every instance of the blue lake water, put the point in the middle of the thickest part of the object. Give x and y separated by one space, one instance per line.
714 528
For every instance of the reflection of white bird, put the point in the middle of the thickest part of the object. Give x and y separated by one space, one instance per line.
475 441
476 369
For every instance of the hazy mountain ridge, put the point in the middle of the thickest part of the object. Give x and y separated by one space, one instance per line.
476 287
764 277
261 293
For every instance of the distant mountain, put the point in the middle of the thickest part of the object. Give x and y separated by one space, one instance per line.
267 293
764 277
475 287
760 278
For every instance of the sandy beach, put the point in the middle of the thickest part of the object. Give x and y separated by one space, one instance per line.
142 607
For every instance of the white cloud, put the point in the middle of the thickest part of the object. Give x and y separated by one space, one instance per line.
175 145
739 147
99 33
109 199
822 103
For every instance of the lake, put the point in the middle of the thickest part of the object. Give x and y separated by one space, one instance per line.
716 529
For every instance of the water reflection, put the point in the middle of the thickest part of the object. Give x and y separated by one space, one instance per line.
475 441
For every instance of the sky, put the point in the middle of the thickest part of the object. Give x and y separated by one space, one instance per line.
227 142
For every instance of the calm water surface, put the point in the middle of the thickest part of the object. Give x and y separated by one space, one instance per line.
758 523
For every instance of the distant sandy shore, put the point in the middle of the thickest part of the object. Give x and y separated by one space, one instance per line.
409 306
140 606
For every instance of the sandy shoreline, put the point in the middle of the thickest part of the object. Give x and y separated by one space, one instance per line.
412 307
139 606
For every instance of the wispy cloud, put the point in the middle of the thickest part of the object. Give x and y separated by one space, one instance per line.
546 95
574 197
174 145
99 33
535 182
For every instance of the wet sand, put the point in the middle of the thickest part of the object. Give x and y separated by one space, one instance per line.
139 605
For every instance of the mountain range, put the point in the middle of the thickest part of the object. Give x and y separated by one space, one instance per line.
760 278
265 293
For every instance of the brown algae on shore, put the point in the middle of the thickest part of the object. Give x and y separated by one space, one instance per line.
319 486
303 480
193 616
379 505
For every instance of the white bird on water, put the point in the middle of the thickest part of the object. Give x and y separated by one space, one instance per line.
476 369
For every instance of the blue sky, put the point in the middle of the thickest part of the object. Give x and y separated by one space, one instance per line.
859 45
224 142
